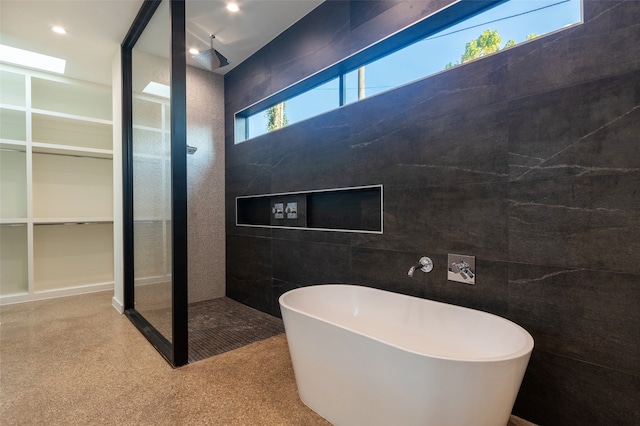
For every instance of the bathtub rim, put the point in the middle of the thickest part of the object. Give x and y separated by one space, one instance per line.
525 351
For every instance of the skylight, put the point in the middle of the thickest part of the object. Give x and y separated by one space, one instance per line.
29 59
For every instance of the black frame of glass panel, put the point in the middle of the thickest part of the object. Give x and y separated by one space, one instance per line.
429 25
177 352
179 182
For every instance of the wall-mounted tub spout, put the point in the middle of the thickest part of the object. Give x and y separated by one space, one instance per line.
425 265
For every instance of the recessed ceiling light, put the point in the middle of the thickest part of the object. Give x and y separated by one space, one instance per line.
29 59
233 7
59 30
194 51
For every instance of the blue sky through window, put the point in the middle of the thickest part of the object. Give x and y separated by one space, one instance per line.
308 104
514 20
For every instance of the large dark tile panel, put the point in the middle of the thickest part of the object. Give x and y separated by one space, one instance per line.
361 11
587 129
305 263
372 21
578 222
251 292
247 84
469 219
324 237
321 168
249 179
602 15
559 391
249 271
255 151
604 45
230 221
593 8
313 154
420 151
316 42
279 288
248 257
584 314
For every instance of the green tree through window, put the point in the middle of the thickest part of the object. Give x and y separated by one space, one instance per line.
487 43
277 117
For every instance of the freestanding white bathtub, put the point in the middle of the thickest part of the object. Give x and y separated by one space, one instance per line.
363 356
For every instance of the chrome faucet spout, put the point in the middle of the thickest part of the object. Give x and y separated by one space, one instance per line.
425 265
412 270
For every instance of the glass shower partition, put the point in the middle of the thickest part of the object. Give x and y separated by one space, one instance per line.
154 131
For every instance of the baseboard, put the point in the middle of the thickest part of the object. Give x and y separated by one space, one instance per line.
119 306
53 294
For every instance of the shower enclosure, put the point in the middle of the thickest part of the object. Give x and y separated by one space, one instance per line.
174 290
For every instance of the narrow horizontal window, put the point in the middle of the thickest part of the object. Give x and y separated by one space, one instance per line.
315 101
455 42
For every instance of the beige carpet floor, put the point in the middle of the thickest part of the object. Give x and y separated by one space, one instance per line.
76 361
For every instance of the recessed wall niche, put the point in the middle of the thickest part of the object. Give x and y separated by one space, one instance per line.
355 209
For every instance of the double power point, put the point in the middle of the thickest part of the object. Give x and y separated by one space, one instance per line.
289 211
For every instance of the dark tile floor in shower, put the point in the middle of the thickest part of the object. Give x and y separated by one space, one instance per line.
221 325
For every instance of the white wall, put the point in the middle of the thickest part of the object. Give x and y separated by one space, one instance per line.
118 268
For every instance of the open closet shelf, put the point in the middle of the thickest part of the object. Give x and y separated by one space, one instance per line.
56 186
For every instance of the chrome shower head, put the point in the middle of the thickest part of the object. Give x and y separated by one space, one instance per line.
211 59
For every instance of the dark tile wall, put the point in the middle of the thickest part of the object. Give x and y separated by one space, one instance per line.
528 159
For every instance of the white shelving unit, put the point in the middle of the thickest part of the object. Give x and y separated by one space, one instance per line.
56 186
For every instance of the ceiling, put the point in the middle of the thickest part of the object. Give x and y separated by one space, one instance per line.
95 29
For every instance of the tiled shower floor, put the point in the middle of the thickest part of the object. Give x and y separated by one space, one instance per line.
220 325
215 326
